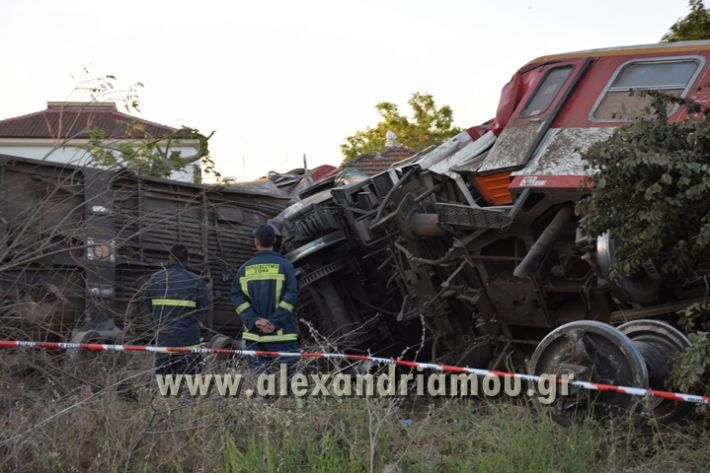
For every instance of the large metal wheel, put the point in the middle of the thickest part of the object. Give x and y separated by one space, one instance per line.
84 336
590 351
658 342
640 289
224 342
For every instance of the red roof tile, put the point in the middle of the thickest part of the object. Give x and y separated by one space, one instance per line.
374 164
62 120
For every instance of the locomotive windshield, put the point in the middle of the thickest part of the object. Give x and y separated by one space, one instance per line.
546 92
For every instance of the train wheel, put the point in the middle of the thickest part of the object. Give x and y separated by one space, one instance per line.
87 336
223 342
590 351
658 342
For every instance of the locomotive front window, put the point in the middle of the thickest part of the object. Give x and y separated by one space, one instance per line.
673 77
546 91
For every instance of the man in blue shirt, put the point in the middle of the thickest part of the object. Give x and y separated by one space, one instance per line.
264 294
176 297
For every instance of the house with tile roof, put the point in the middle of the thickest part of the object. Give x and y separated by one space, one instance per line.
372 164
61 131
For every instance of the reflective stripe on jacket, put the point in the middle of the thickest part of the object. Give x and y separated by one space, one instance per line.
176 297
265 287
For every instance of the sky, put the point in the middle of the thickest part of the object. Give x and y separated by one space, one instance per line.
279 79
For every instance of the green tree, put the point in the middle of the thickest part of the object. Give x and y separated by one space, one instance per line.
695 25
148 155
139 151
650 187
429 125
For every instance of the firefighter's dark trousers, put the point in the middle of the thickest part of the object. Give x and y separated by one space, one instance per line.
260 364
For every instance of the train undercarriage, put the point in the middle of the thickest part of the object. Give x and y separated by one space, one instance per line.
416 263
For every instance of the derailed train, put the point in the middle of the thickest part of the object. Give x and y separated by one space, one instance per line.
466 253
471 252
77 246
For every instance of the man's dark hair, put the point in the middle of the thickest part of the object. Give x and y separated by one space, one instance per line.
265 235
179 252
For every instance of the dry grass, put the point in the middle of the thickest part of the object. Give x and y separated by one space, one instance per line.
102 414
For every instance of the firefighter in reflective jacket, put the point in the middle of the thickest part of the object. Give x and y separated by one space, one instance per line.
264 294
176 297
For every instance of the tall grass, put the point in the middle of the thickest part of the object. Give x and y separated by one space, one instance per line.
65 416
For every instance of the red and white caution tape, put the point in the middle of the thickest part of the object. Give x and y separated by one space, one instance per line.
589 385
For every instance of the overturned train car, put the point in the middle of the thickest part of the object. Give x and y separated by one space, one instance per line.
77 246
471 252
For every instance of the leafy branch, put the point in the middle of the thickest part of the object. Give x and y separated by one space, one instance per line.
691 370
137 149
650 186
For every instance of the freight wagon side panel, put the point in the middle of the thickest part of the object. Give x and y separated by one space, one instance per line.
77 246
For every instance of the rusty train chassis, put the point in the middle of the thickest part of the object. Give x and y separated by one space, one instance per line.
396 264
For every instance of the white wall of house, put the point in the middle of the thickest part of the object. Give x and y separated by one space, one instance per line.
80 157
